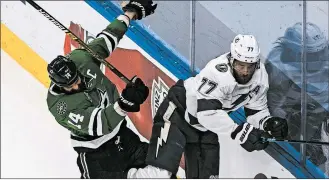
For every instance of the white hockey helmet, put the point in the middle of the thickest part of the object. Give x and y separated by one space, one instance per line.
245 48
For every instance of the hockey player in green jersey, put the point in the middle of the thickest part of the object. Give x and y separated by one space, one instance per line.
84 101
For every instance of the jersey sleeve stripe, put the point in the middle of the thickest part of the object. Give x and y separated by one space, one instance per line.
110 40
250 112
209 104
258 119
91 121
108 43
118 110
99 123
193 120
95 122
124 18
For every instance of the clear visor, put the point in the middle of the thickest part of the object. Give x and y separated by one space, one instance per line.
314 61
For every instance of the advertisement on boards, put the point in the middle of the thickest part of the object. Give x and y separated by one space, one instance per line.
131 62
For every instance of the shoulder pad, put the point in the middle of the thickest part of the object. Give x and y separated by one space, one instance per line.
261 76
220 63
219 71
61 105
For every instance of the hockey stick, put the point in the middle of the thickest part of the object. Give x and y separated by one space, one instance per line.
74 37
296 141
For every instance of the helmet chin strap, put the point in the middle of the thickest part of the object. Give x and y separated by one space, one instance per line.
233 71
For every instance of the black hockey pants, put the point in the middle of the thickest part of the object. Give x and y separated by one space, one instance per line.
201 149
114 158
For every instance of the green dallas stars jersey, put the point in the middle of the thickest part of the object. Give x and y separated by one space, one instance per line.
92 116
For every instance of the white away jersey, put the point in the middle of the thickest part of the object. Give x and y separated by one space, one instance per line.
214 92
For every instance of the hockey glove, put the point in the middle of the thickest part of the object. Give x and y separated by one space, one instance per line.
142 90
133 95
277 127
250 138
142 8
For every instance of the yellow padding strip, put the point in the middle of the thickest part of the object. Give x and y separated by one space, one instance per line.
24 55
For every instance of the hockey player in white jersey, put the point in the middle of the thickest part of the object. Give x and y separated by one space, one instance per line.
196 110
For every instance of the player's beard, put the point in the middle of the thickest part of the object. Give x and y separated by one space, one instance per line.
82 87
242 79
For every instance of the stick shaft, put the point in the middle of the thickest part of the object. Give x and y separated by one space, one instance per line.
77 39
297 141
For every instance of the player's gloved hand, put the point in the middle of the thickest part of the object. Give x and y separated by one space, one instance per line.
250 138
142 91
277 127
142 8
134 94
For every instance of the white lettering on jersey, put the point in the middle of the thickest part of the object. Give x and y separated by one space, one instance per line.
75 119
91 75
92 80
67 75
207 86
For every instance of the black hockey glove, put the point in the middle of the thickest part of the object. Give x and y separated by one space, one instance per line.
142 8
250 138
277 127
133 95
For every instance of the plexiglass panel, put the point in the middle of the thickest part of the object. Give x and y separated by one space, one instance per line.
317 80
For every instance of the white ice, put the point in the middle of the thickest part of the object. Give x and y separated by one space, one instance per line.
33 144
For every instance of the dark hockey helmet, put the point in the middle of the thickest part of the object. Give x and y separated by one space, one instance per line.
316 47
62 71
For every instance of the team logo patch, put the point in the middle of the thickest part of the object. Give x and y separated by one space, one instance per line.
222 67
237 40
159 92
61 107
